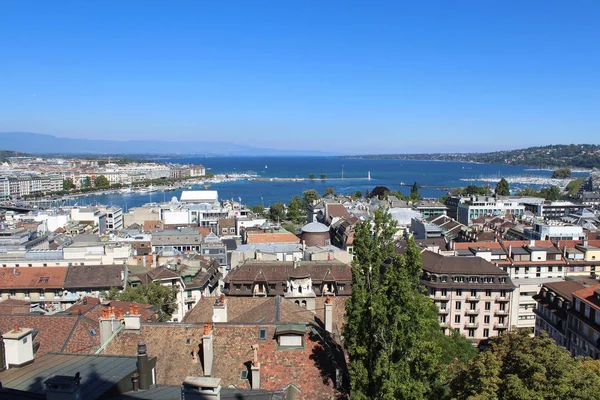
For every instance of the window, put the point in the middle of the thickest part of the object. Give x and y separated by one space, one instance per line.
27 293
486 332
488 306
457 319
262 334
44 279
458 305
488 293
486 319
459 292
471 332
244 374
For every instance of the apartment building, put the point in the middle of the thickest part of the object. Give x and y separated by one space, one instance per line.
583 328
472 295
474 207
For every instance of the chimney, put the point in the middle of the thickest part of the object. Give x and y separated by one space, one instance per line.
510 250
531 243
255 369
108 324
63 387
207 347
565 251
18 347
585 242
133 318
328 315
220 309
144 367
201 388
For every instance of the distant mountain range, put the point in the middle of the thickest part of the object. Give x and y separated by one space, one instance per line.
553 156
37 143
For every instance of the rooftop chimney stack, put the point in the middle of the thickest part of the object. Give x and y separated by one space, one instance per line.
201 388
328 315
133 318
18 347
108 324
207 347
144 367
220 309
62 387
255 368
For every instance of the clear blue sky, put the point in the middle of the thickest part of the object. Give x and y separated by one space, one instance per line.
343 76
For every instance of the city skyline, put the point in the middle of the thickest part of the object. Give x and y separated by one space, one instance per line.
369 78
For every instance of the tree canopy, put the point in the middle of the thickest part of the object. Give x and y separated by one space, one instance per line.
294 212
561 173
520 367
308 197
163 297
392 331
414 192
502 188
277 211
101 182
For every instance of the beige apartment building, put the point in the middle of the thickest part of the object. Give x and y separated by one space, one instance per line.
473 296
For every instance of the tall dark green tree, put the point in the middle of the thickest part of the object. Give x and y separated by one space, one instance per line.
86 183
164 297
308 197
277 211
392 332
294 212
68 184
414 192
502 188
552 193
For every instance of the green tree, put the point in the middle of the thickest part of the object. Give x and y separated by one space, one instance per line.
529 192
156 294
323 176
392 331
68 184
561 173
86 183
258 210
329 191
311 176
473 190
414 192
308 197
294 212
101 182
357 195
518 366
381 192
502 188
277 211
552 193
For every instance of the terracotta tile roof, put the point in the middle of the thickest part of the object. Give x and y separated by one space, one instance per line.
333 210
565 288
14 306
436 263
339 312
236 306
33 278
54 330
226 223
204 231
93 276
268 237
587 295
309 369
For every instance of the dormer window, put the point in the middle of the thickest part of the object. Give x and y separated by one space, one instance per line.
290 336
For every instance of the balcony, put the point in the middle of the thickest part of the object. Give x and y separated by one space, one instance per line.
440 297
473 298
502 299
501 313
190 299
471 325
443 311
472 312
500 326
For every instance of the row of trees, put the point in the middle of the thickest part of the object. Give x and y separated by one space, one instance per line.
397 351
322 176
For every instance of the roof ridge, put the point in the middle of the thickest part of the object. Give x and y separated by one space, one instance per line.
70 334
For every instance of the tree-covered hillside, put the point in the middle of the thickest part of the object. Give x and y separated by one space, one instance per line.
572 155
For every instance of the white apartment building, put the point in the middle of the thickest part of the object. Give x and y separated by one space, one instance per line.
477 206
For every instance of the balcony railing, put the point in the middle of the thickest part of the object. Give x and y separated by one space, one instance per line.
472 312
190 299
501 299
443 311
473 298
501 312
500 326
440 297
471 325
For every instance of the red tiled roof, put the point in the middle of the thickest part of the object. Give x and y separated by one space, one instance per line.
204 231
14 306
309 368
267 237
33 278
587 295
468 245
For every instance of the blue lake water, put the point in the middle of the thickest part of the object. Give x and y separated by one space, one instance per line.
389 173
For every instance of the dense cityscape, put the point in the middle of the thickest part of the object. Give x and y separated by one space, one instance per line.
334 200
